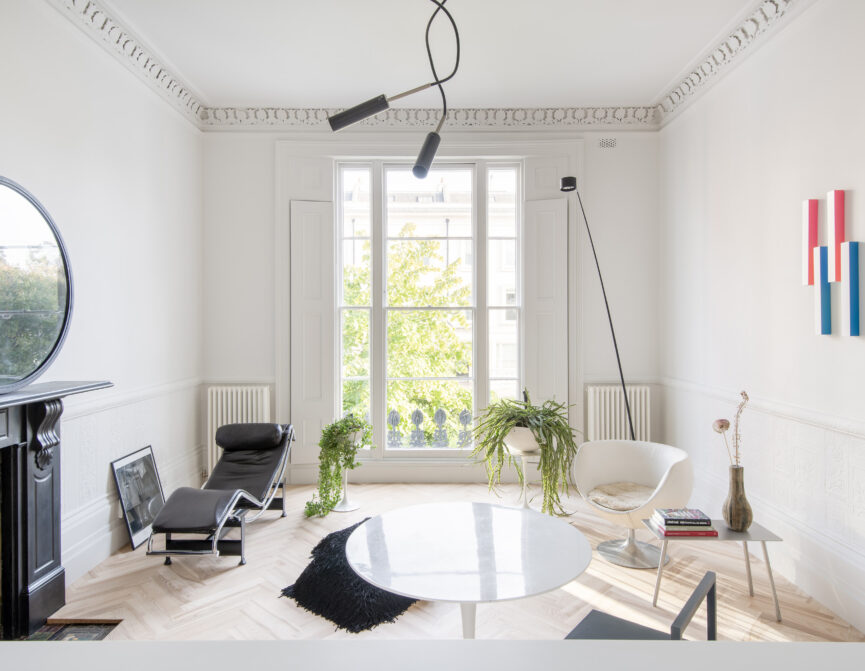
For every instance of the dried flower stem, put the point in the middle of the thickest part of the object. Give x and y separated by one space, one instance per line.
736 437
729 454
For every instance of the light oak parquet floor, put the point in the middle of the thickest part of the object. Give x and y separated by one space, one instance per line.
213 598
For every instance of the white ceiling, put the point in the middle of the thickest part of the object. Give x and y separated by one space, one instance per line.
335 53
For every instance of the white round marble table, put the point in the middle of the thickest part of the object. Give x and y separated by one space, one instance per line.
467 553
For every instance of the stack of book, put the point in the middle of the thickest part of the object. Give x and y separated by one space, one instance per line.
682 522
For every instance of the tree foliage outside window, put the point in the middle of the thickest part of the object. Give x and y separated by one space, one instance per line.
420 343
32 305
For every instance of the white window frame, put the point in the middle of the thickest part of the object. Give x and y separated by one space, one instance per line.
479 306
304 171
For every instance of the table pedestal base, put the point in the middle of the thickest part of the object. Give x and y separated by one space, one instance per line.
468 611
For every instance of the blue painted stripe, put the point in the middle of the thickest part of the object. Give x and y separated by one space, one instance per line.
854 288
825 299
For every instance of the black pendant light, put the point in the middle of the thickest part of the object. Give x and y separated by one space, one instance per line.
380 103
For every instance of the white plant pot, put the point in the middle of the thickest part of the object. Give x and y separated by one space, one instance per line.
521 440
355 437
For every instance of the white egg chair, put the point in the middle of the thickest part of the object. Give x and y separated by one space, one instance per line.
624 481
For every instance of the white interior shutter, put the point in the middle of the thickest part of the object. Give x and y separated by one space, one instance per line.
545 291
312 325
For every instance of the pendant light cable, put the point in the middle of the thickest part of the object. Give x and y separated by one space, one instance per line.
440 7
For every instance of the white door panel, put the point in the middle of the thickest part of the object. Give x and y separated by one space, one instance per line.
545 286
312 325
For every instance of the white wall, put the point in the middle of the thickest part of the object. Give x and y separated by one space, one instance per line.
239 259
620 192
784 126
620 196
120 172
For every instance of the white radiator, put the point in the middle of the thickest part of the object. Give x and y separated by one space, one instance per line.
230 405
608 418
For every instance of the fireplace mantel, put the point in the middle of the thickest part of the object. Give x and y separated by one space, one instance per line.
32 580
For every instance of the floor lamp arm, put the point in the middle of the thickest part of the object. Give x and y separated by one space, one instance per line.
609 317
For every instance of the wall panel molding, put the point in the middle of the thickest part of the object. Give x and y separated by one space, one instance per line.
846 426
119 40
117 397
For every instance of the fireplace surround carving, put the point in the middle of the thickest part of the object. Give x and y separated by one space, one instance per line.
32 579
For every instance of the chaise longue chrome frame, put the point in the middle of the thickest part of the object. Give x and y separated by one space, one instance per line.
235 504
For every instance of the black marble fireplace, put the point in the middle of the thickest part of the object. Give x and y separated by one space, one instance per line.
32 580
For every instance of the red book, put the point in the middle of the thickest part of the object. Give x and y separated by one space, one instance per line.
677 532
681 533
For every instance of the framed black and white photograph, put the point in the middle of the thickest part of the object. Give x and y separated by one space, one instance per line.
140 492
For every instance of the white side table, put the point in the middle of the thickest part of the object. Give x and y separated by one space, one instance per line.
755 533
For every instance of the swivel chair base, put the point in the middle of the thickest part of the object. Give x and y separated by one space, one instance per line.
631 553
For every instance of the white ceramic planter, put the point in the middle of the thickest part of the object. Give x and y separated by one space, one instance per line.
521 440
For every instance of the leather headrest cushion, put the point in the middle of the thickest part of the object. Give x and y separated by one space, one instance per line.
249 436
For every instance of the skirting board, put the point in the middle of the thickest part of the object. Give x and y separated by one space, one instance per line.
408 470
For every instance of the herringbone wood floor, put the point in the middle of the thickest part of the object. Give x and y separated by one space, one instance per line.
213 598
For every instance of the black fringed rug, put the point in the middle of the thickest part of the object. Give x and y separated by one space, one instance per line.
329 587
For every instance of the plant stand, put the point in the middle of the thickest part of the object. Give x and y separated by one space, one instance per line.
345 504
521 443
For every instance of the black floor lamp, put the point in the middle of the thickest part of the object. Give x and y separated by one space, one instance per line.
570 184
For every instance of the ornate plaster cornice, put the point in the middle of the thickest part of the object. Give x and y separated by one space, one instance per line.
766 16
227 118
106 30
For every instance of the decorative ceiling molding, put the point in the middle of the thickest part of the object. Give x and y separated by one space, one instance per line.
766 16
228 118
118 40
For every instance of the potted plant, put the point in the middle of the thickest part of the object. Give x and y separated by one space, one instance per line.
521 425
339 444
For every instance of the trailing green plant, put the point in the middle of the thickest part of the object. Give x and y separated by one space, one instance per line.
549 425
338 452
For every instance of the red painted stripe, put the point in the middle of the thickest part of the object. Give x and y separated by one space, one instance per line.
813 204
839 231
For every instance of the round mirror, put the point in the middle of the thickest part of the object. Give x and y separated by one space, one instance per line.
35 288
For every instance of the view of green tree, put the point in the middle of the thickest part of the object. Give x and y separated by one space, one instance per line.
31 313
420 343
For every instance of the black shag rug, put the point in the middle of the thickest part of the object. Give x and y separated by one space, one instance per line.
329 587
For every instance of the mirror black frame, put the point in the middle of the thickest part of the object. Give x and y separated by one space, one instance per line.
64 329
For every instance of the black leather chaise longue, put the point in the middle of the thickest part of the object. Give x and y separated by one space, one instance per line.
246 478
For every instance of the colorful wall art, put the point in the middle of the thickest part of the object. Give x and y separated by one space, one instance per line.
835 263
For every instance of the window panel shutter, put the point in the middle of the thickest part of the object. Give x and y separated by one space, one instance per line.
545 287
313 308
